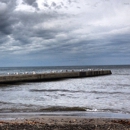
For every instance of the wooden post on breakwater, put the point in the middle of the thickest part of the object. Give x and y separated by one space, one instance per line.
52 76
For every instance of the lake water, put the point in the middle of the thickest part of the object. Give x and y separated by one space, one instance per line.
108 94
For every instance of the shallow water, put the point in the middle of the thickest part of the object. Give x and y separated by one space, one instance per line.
94 94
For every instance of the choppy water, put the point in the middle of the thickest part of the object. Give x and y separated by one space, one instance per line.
97 94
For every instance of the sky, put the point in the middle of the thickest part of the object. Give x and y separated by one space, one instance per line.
64 32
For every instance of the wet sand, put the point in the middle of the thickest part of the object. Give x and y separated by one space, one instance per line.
65 123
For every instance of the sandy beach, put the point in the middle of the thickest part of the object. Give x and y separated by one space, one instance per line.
65 123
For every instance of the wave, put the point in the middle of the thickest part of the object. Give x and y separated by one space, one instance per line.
31 108
120 74
48 109
78 91
54 90
104 92
84 109
1 103
52 109
124 85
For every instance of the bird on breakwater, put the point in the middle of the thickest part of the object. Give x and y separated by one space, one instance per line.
17 77
16 73
34 72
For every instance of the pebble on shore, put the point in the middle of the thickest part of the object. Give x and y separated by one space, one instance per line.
65 123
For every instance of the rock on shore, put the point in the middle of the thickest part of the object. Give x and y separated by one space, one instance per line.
65 123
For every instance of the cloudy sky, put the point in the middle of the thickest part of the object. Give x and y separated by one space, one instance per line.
64 32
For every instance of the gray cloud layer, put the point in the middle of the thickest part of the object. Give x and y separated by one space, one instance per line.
33 32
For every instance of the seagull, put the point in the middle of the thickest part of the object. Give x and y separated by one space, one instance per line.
34 72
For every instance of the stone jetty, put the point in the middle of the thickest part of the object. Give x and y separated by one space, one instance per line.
52 76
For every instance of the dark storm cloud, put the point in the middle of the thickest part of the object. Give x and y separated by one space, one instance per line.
54 5
6 24
45 34
5 1
6 19
31 25
72 1
31 3
10 4
3 40
46 5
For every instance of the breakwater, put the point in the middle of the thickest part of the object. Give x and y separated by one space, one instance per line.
52 76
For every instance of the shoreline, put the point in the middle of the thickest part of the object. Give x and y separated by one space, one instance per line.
65 123
87 115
